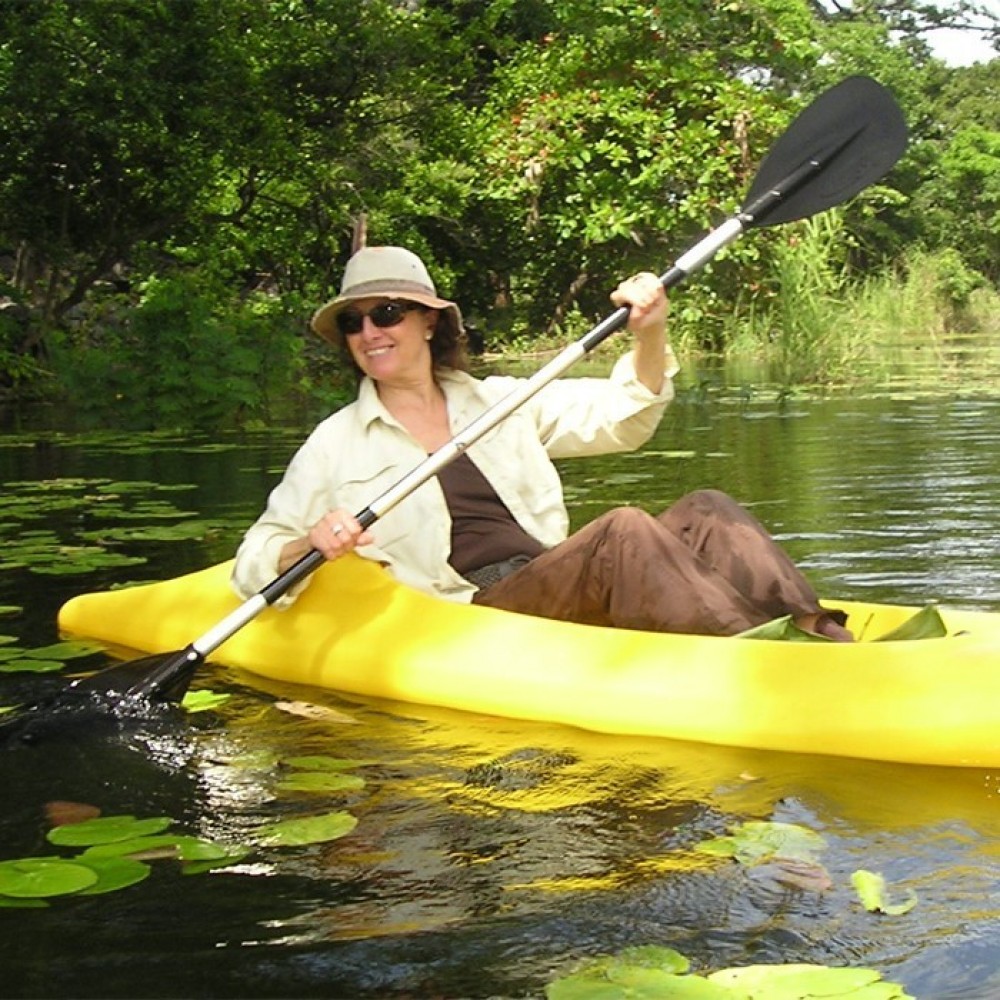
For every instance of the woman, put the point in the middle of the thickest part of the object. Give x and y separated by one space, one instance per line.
492 526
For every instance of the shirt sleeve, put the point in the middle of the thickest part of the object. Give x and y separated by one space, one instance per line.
592 416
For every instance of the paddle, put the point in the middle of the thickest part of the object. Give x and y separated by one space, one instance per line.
845 140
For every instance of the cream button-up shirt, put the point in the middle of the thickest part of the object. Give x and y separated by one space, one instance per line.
360 451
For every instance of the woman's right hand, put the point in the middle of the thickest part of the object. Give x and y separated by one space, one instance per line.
335 533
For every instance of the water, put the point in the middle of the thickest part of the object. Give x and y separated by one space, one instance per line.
492 855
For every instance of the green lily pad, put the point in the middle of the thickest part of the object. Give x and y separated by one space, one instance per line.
114 874
307 830
232 857
71 649
755 841
106 830
873 893
203 701
802 982
30 878
321 781
30 666
318 762
180 846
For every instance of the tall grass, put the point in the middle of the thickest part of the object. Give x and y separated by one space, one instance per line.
821 325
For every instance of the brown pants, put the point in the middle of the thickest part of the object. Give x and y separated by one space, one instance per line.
704 566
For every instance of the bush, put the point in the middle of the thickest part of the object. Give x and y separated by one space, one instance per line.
182 356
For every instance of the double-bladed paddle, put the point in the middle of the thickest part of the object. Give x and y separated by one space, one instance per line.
847 139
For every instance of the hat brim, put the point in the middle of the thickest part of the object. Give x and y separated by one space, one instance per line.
324 320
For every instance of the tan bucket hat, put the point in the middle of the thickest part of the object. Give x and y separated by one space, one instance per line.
393 272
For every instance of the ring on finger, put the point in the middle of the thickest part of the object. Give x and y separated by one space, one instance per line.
337 529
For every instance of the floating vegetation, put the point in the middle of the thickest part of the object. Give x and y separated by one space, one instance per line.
203 701
42 659
873 893
143 515
301 831
652 972
117 850
759 840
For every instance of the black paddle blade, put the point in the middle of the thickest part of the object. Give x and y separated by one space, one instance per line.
848 138
137 689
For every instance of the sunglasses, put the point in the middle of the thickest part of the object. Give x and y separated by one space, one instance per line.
384 315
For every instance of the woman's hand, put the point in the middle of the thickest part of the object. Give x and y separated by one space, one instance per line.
335 533
647 321
647 299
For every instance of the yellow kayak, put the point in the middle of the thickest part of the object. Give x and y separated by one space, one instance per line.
356 630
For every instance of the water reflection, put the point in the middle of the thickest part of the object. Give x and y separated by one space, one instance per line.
490 854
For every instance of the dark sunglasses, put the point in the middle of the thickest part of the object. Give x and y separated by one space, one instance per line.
384 315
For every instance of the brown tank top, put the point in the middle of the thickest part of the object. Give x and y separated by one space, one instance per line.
483 530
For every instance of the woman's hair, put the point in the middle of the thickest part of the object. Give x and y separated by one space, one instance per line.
448 345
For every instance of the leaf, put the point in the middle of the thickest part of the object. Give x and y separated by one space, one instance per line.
114 874
33 877
68 650
307 830
320 713
925 624
321 781
318 762
872 891
203 701
802 982
30 666
105 830
755 841
164 845
783 629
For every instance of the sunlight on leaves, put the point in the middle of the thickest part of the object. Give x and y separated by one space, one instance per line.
105 830
321 781
306 830
752 842
35 877
656 973
203 701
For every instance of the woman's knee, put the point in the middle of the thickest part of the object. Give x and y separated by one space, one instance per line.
626 521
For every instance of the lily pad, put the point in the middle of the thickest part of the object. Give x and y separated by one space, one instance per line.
203 701
114 874
29 878
755 841
321 781
319 762
803 982
307 830
106 830
24 665
164 845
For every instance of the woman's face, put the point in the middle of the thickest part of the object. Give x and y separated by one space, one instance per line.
397 353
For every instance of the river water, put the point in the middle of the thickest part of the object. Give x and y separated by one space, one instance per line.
492 856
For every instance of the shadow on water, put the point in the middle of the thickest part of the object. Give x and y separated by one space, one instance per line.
490 855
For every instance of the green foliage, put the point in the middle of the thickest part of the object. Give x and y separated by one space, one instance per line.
185 355
534 153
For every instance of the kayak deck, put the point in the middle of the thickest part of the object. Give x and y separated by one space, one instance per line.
355 630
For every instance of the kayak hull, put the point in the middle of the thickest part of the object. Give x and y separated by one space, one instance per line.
355 630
